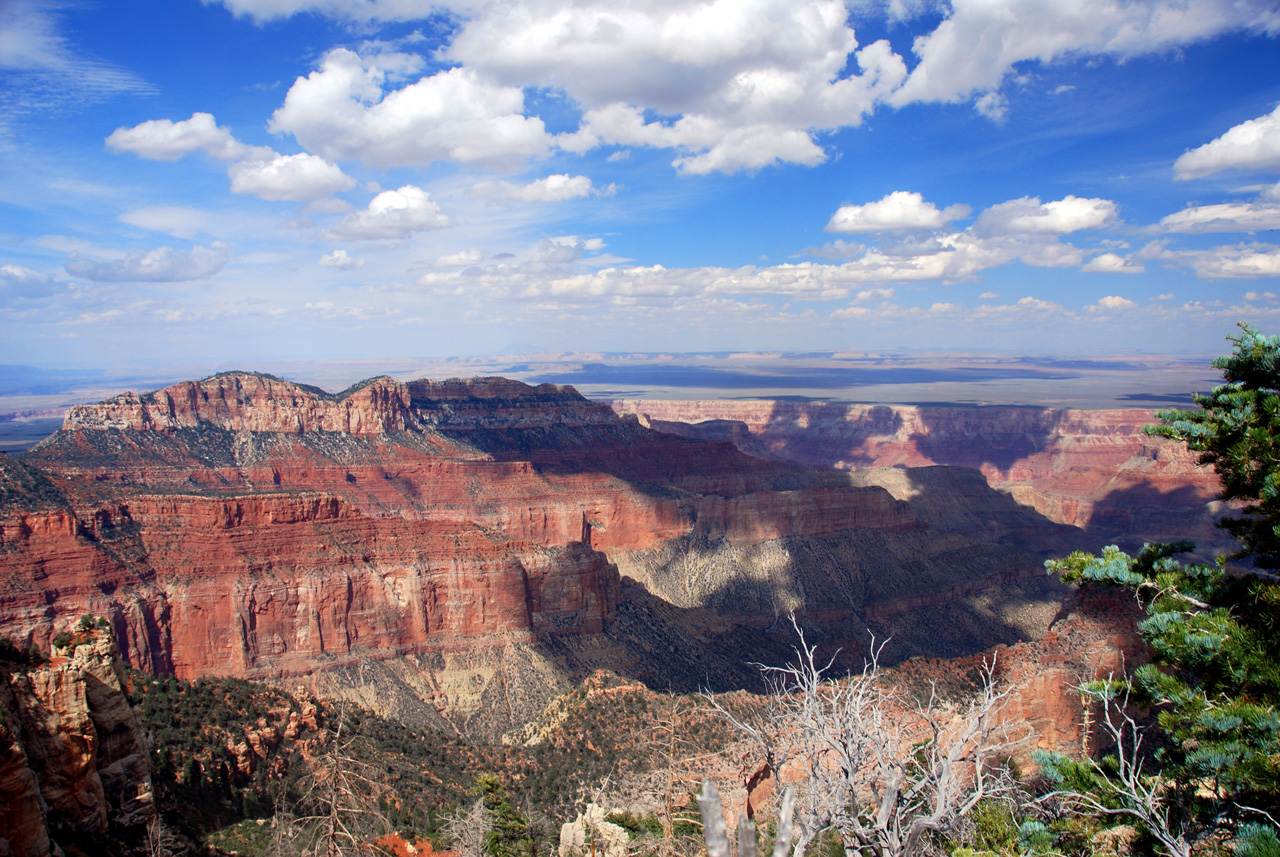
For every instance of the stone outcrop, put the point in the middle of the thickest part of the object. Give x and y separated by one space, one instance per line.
1091 469
1093 638
592 833
73 754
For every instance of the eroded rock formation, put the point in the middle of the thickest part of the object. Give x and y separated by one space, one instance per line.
1091 469
244 525
73 753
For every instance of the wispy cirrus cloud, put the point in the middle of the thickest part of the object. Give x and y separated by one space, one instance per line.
42 71
554 188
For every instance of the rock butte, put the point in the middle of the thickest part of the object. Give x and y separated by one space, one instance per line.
482 543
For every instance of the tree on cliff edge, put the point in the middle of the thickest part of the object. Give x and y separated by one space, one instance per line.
1237 430
1214 636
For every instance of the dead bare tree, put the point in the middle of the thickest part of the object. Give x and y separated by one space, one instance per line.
161 841
715 831
339 808
469 829
880 769
682 761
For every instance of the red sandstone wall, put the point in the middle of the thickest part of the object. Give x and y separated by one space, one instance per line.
1092 469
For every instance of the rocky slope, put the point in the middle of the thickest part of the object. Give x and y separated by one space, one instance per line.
73 754
484 541
1091 469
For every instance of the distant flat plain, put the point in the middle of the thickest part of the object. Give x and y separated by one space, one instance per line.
33 401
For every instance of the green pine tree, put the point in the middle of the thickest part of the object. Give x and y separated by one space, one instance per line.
1214 637
508 834
1237 430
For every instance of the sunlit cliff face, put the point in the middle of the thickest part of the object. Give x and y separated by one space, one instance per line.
249 526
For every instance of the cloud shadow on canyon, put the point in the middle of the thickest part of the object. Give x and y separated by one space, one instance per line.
828 435
971 580
1137 514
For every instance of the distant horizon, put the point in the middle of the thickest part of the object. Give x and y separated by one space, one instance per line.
1120 381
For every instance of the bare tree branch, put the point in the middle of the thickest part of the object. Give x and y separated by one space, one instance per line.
715 833
880 770
1138 795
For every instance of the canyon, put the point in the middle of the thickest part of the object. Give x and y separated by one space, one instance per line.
74 756
460 554
480 544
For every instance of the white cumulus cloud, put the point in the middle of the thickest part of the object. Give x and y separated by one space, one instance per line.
1243 262
1226 262
162 265
262 11
1112 302
461 259
1039 305
1113 263
392 214
1060 217
340 260
165 140
553 188
22 275
557 269
257 170
900 210
289 177
728 85
342 111
1225 217
1251 145
978 44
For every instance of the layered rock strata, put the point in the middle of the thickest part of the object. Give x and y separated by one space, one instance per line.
244 525
1091 469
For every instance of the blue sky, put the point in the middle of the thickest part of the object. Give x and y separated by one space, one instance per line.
185 182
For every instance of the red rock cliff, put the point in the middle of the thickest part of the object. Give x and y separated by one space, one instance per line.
73 754
243 401
1092 469
246 525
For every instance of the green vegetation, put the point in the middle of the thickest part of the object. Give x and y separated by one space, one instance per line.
1237 431
1209 770
222 763
1190 741
227 750
508 834
16 658
636 825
